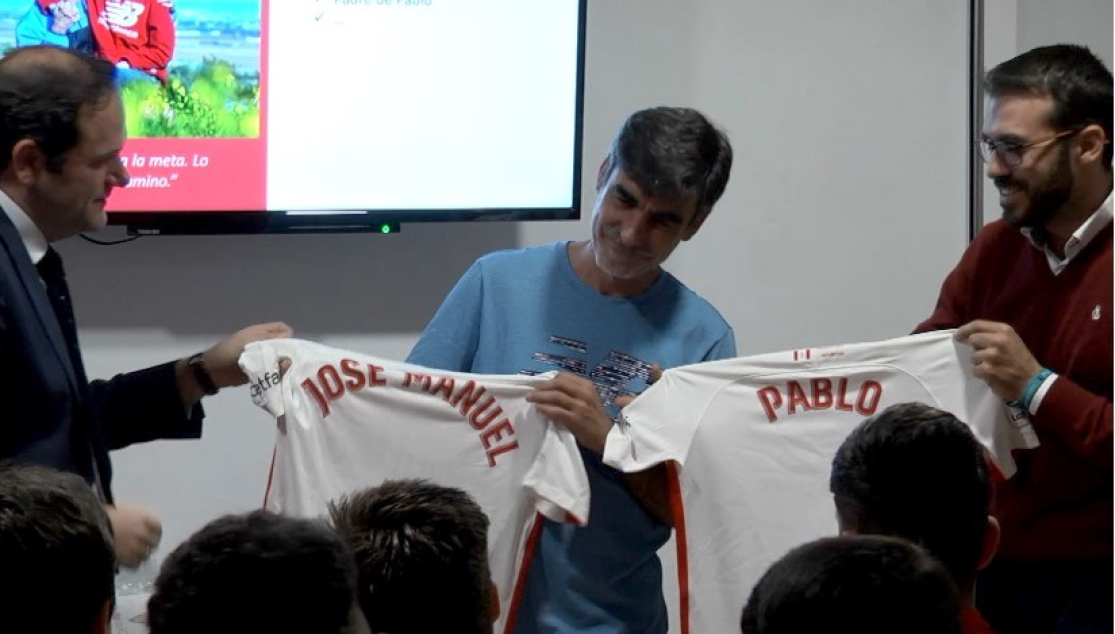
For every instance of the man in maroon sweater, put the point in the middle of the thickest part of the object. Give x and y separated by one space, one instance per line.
1032 296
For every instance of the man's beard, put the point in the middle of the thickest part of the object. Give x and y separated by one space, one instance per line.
1046 196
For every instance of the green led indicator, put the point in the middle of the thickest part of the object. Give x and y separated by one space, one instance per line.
385 228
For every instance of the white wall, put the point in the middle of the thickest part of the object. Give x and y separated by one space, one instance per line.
844 213
1087 22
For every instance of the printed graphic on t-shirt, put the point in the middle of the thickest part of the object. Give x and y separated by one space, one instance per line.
611 377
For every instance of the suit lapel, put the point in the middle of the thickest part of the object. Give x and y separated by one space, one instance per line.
28 276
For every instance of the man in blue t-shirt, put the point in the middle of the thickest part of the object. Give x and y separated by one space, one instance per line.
604 313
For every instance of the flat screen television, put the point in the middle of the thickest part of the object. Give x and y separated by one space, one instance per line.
333 115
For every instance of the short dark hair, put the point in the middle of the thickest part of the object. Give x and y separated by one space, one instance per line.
57 558
415 541
673 151
258 572
916 472
868 584
43 91
1071 75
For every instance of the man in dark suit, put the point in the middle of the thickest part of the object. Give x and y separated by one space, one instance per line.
61 134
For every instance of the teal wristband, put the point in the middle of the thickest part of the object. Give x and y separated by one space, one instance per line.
1032 388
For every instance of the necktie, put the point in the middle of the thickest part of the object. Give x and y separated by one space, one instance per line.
54 278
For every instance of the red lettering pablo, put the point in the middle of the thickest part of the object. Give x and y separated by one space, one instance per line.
868 400
798 398
863 400
771 399
842 393
822 393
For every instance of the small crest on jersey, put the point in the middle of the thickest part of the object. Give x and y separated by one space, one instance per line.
1097 312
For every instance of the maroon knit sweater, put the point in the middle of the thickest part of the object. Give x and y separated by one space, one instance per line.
1059 504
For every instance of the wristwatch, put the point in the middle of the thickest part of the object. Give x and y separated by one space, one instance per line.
201 375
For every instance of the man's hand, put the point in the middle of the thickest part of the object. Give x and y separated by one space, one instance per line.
63 15
1000 357
137 531
572 401
221 361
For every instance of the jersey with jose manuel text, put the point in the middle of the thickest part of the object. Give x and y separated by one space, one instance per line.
349 421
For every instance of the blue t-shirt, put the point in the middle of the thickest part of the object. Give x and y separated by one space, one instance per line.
526 311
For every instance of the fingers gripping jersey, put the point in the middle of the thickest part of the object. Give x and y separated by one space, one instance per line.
754 438
349 421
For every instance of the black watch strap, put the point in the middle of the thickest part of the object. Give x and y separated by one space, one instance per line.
201 375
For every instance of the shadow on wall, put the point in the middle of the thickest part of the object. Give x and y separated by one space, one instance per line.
344 283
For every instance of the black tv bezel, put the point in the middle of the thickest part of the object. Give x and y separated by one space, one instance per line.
363 221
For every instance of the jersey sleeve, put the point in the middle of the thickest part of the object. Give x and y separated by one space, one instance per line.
558 479
658 426
260 362
1000 427
450 340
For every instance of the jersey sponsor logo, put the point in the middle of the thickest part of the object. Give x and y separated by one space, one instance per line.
1016 416
261 385
792 397
121 16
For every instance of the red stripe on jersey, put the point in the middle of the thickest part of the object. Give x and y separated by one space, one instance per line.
682 549
521 580
270 476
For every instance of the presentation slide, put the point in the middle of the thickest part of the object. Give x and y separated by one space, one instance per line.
331 105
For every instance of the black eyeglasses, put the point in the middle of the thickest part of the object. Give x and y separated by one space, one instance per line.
1010 152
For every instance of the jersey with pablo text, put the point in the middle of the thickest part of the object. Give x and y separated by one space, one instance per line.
349 421
750 442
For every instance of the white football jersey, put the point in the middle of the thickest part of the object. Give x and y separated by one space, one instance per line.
348 421
753 441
